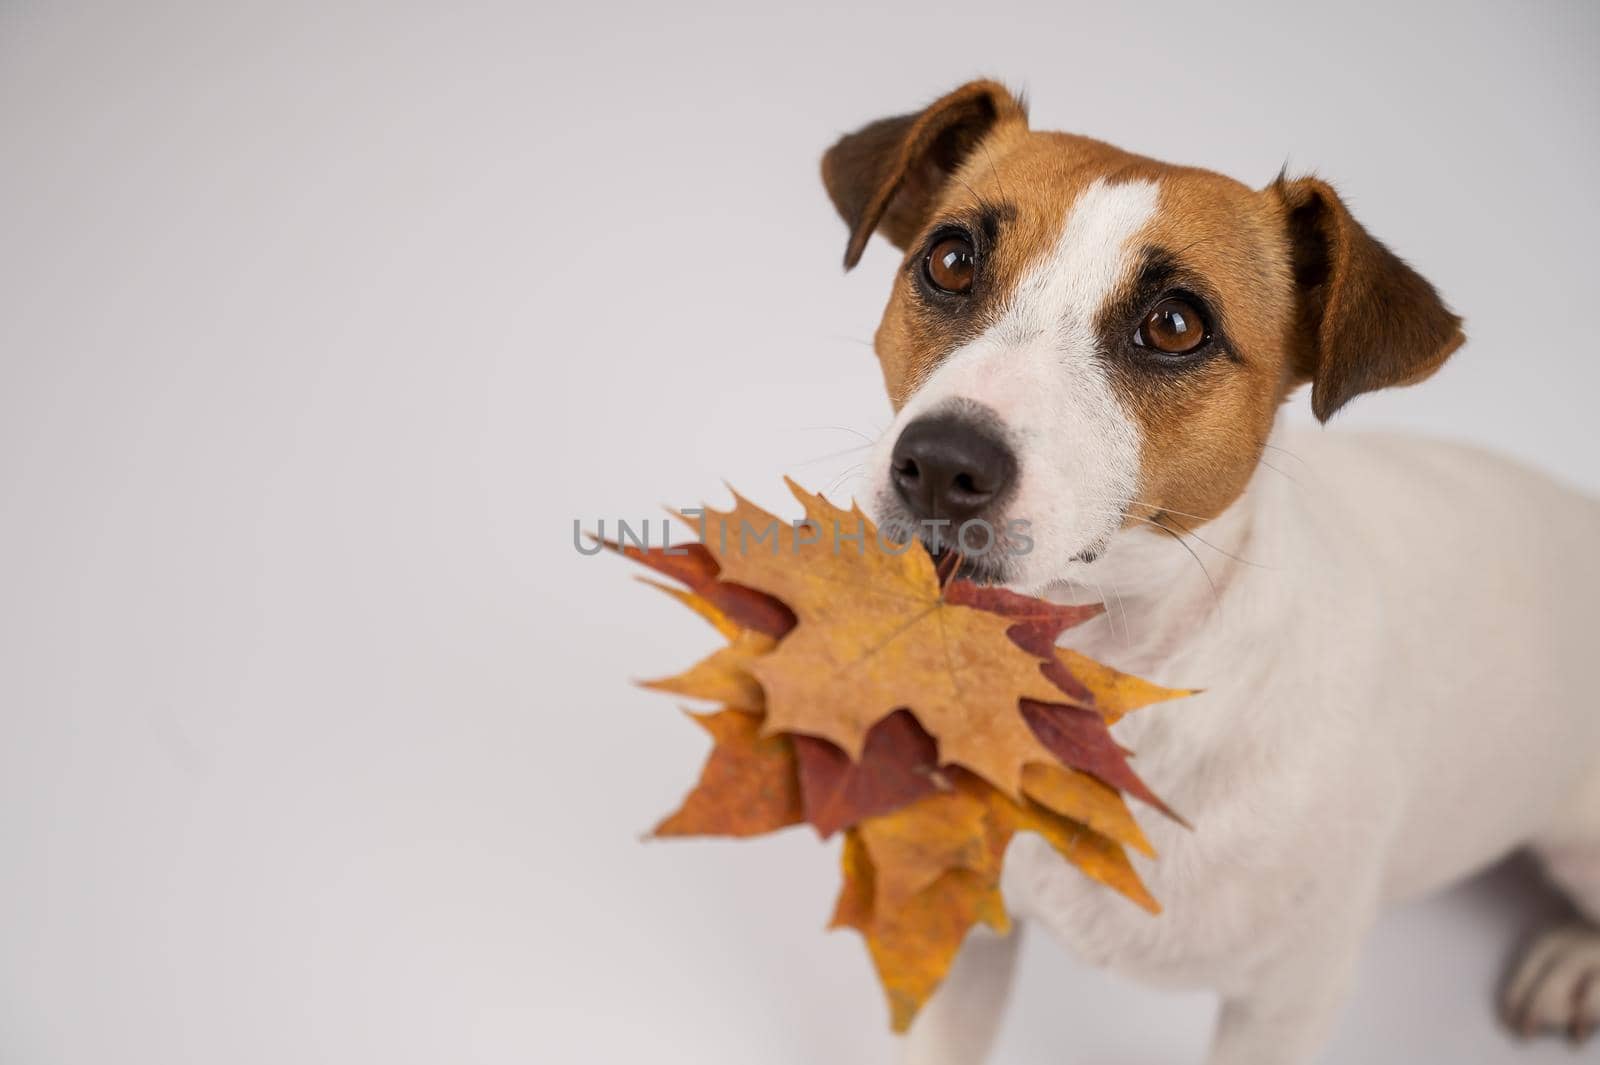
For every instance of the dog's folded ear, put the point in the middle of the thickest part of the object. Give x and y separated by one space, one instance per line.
1366 320
887 175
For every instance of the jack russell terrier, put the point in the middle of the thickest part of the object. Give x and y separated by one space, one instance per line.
1396 637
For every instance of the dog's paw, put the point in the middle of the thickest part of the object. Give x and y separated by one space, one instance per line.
1556 985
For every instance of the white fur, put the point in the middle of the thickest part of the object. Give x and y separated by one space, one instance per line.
1395 638
1398 667
1037 369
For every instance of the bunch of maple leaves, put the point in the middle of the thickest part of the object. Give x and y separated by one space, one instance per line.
930 719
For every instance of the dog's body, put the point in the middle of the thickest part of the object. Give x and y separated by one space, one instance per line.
1394 636
1381 720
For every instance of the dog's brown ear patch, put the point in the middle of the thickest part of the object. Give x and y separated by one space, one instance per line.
887 175
1366 319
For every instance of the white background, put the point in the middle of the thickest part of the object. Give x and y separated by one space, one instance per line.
318 331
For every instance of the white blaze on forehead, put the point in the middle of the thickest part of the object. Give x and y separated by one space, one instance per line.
1038 368
1064 290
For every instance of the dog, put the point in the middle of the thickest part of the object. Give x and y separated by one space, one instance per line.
1394 637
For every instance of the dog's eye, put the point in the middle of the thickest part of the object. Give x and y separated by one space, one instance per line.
950 265
1174 326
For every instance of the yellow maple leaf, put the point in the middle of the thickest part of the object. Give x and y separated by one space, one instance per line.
1116 694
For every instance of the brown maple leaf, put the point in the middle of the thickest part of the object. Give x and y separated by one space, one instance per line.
899 764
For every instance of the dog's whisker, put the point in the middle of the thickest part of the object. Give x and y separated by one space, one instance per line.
1187 532
834 428
989 157
851 340
1099 595
983 201
1160 511
845 475
841 453
1122 609
1216 598
1223 551
1105 600
1288 477
1286 451
1151 506
1168 510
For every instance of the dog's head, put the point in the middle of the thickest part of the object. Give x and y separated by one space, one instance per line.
1079 338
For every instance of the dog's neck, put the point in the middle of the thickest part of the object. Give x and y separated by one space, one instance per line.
1175 591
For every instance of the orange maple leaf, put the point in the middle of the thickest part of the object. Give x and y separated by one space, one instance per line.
748 786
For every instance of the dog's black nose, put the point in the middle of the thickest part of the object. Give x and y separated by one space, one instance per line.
948 466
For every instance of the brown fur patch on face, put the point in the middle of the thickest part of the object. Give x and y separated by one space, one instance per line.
1019 185
1204 422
